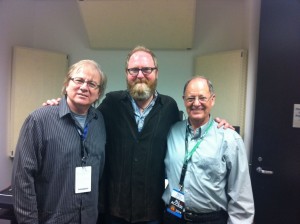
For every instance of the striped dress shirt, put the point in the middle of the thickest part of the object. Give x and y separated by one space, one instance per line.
48 151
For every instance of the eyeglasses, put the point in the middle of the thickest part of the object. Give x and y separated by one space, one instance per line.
200 99
80 81
145 70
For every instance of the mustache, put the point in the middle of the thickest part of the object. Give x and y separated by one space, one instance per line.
140 81
141 89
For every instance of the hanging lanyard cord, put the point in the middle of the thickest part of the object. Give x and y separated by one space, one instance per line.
84 150
188 155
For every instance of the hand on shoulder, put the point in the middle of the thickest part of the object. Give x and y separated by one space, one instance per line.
52 102
223 123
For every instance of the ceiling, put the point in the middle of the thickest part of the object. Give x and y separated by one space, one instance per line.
123 24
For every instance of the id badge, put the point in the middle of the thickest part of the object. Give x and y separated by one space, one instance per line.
176 204
83 179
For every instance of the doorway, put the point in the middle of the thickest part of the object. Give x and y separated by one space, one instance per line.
275 168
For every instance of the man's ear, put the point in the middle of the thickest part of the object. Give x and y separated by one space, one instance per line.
213 100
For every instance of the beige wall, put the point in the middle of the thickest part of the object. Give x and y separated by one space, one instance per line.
55 25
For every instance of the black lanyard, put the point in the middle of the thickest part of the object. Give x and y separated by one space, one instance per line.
84 150
188 155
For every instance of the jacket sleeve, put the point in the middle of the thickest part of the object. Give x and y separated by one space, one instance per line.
102 201
25 168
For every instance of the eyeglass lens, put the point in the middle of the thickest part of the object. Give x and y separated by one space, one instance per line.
145 71
200 99
81 81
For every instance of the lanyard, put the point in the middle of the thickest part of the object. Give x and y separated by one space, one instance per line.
188 155
84 150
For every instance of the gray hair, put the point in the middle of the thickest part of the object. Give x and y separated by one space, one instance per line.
210 85
75 68
144 49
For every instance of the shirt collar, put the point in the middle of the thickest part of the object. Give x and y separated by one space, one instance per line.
199 131
150 104
64 110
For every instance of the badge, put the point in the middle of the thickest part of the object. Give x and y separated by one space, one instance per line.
83 179
176 205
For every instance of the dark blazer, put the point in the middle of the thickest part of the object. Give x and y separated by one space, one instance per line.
134 167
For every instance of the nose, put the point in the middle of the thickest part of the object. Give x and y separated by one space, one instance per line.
140 75
196 101
84 86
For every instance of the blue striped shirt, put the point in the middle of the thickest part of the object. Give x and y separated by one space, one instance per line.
141 116
48 151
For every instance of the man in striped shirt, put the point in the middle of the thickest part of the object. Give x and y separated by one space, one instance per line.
60 154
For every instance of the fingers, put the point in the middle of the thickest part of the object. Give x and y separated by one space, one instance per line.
52 102
223 123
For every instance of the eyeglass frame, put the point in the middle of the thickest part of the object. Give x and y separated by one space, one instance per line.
129 70
82 81
192 100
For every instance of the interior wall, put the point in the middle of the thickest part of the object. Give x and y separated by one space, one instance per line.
56 25
253 21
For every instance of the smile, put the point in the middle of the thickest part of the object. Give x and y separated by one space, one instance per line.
81 95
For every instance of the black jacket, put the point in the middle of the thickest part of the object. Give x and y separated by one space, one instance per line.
134 167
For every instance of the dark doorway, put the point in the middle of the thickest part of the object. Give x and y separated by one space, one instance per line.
276 145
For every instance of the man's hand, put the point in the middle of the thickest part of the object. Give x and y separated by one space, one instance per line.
224 123
53 102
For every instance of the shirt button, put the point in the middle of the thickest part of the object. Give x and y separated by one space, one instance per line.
136 159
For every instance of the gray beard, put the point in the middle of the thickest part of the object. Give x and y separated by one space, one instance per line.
141 91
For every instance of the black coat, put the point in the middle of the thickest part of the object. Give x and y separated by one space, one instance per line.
134 167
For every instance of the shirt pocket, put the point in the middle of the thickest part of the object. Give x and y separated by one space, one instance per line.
210 168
